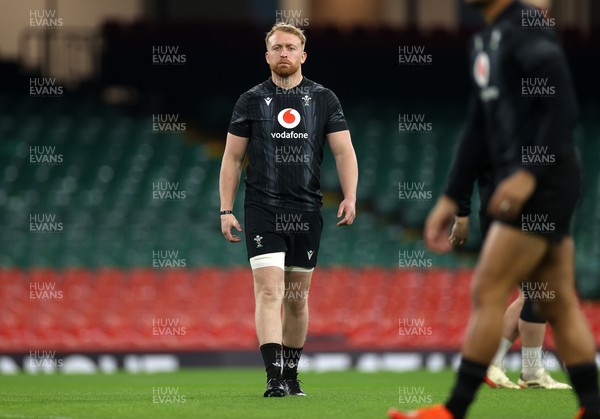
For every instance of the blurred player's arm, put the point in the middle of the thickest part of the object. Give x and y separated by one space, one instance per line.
460 230
229 181
471 156
347 169
464 202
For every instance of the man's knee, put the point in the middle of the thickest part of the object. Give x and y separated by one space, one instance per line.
297 305
269 293
269 285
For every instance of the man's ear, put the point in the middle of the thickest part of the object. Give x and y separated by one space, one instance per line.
303 58
267 56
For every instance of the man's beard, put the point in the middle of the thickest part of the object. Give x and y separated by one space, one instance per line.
284 71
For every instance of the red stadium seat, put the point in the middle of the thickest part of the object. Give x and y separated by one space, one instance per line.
351 309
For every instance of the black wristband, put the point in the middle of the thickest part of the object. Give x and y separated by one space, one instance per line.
225 212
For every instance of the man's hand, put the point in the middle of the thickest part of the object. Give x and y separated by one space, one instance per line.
511 194
436 226
348 209
460 231
228 222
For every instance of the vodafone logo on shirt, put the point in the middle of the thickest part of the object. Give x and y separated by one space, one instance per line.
288 118
481 69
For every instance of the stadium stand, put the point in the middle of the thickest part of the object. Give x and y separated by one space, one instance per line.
350 309
112 292
102 192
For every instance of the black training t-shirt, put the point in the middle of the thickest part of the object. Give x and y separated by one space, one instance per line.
523 108
287 131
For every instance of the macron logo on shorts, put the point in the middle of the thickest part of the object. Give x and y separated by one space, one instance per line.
309 254
288 118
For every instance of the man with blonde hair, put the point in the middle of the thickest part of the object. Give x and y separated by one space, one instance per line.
282 125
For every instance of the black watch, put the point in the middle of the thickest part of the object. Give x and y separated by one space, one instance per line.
225 212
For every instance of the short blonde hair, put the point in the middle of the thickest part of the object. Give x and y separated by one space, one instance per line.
286 27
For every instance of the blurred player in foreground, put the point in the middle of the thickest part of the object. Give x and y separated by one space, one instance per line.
520 317
282 124
512 124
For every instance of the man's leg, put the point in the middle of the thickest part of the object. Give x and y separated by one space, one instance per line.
295 309
510 331
496 377
507 256
532 336
295 323
532 340
533 371
532 327
574 341
300 262
268 297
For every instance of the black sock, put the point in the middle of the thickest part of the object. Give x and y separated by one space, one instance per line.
584 378
291 357
470 376
271 353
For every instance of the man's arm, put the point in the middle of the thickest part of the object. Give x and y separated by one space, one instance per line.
347 168
229 181
471 156
460 230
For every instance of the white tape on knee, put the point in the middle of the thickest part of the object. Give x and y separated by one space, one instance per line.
268 259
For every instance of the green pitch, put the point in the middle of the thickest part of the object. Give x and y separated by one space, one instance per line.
237 393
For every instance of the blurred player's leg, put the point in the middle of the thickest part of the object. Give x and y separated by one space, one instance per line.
507 256
496 376
531 348
574 341
532 327
268 295
295 326
510 323
520 319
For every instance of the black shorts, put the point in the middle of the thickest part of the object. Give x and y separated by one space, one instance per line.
549 211
271 229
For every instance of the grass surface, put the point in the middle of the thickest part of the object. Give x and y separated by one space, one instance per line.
237 393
